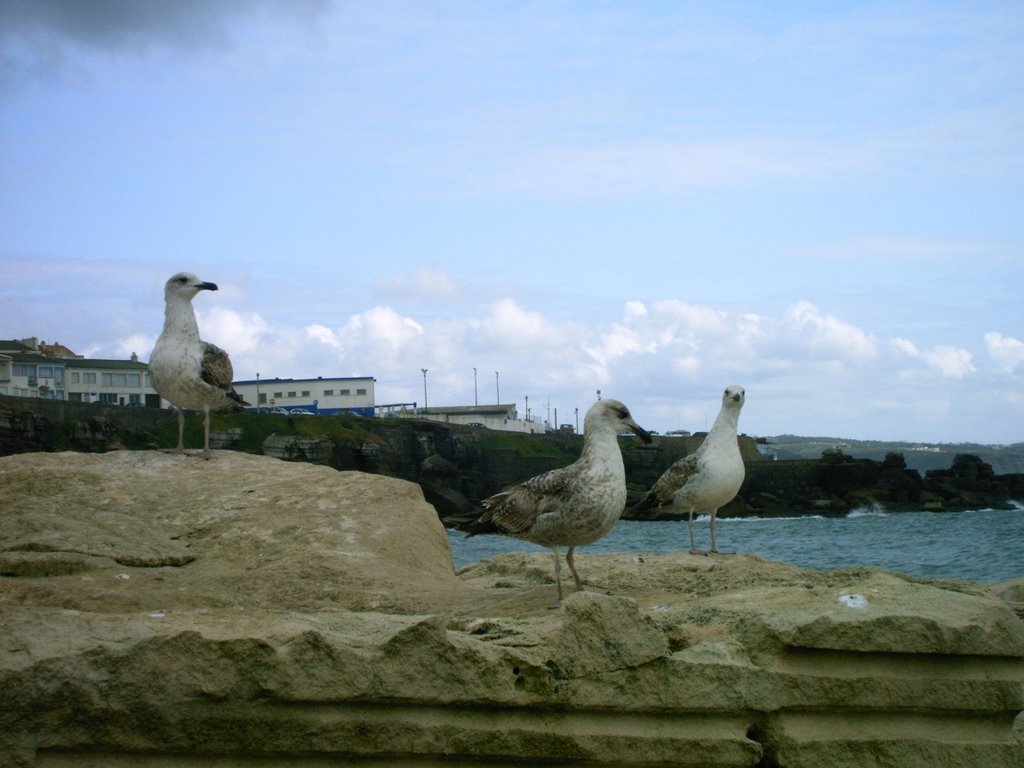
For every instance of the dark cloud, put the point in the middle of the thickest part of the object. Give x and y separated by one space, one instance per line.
37 36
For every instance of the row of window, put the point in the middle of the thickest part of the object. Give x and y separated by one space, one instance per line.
53 394
56 373
327 393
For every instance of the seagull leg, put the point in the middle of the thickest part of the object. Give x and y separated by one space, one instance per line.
558 575
181 434
572 567
714 546
206 453
693 544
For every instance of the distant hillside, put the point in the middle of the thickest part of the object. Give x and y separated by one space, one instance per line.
1005 459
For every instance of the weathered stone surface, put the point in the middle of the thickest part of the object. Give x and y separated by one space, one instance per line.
165 610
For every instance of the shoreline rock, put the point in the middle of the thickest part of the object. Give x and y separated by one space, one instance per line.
457 466
164 608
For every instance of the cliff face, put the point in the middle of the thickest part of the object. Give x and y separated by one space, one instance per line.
458 466
159 609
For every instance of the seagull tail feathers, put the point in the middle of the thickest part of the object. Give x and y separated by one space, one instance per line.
237 403
645 509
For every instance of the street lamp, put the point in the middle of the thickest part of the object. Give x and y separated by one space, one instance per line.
257 391
476 400
497 390
424 388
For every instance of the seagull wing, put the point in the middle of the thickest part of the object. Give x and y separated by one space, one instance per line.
515 510
217 370
661 493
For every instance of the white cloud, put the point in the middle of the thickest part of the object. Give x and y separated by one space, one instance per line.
136 344
380 330
951 362
239 332
828 336
1006 351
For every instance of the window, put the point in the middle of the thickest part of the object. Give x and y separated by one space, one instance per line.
279 394
108 397
346 392
74 377
88 378
21 369
305 393
291 394
45 371
328 393
263 398
134 380
360 391
134 399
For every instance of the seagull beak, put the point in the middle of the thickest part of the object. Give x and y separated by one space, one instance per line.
639 431
207 286
736 398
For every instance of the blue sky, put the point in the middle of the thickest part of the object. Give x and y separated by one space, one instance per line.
822 202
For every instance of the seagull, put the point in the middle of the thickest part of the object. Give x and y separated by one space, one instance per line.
187 371
708 478
574 505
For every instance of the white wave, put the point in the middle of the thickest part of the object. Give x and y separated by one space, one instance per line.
872 511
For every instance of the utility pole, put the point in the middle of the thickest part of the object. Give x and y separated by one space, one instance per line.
476 400
424 388
497 390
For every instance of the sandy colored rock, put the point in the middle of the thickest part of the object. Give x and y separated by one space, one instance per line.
164 610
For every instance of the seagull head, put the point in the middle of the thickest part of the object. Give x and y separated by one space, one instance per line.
734 396
185 285
615 415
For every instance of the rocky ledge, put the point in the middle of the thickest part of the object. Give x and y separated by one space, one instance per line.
164 610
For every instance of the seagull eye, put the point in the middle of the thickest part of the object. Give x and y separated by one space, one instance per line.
182 280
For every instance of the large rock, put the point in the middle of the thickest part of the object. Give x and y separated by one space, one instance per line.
165 610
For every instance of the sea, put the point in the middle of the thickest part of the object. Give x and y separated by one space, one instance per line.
985 545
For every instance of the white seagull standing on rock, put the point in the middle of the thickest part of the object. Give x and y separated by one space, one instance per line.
708 478
574 505
187 371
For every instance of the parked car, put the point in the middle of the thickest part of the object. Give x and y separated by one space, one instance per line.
279 410
300 412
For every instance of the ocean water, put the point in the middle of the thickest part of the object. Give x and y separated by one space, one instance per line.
982 545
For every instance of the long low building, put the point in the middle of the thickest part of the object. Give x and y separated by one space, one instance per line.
354 394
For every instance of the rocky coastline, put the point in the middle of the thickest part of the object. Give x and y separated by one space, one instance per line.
457 466
164 610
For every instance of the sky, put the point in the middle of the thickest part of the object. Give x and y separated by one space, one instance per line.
822 202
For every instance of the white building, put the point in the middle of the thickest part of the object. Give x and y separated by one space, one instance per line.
113 382
59 374
26 374
320 395
504 417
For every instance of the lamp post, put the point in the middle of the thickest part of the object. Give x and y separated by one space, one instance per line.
257 391
527 407
497 390
424 388
476 400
